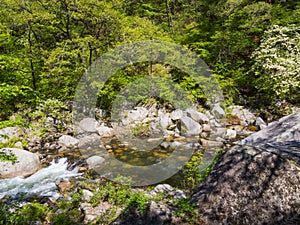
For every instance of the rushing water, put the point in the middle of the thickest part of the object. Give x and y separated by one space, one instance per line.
41 184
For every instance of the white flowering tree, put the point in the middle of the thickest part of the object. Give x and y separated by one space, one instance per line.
277 62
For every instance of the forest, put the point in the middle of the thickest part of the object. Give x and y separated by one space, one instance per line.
252 50
252 47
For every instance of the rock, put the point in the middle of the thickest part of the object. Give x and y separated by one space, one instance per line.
68 140
136 115
159 214
218 112
27 163
164 145
178 194
259 122
207 144
250 186
105 131
190 126
206 127
230 134
160 188
286 129
172 127
88 125
87 195
286 149
204 135
18 144
219 132
244 115
139 114
89 144
197 116
94 213
164 120
238 128
215 124
176 114
219 139
95 161
64 186
8 132
175 144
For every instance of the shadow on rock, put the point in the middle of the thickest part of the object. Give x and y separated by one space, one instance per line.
249 185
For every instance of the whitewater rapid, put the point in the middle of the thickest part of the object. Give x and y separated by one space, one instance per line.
40 184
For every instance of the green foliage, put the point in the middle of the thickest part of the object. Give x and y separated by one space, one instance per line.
73 216
9 143
121 196
51 108
139 201
33 212
187 211
18 120
10 157
28 214
14 98
113 193
276 63
68 211
191 172
46 47
141 130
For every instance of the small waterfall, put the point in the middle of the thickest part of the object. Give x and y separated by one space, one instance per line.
41 184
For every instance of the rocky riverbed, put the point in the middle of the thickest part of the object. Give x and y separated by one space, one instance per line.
244 180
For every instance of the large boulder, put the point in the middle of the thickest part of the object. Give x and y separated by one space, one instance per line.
88 125
91 145
190 126
105 131
218 112
286 129
27 163
250 186
95 162
197 116
67 140
280 137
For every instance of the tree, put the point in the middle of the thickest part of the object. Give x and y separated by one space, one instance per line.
276 62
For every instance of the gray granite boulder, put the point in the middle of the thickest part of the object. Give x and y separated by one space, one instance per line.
197 116
285 129
190 126
88 124
67 140
27 163
250 186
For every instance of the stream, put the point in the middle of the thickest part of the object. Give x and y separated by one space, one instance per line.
40 184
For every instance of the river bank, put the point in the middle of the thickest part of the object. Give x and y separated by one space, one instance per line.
79 154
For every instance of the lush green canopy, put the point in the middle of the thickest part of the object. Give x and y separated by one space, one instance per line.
46 46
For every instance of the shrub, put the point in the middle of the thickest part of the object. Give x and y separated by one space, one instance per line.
276 63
